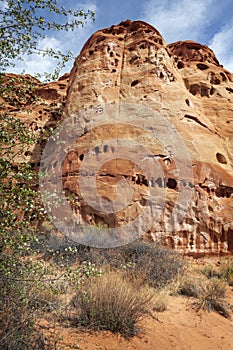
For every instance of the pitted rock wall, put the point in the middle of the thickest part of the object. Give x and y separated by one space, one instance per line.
131 63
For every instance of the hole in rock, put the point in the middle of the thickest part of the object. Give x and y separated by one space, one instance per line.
96 150
159 182
221 158
180 65
214 79
143 202
105 148
134 83
191 241
171 183
224 78
194 89
141 180
81 157
212 90
224 191
204 91
202 66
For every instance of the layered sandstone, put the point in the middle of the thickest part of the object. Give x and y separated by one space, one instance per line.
129 68
184 82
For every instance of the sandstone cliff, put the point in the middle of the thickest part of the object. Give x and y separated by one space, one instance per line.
130 65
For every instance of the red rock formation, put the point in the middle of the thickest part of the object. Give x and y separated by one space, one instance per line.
184 83
130 63
38 105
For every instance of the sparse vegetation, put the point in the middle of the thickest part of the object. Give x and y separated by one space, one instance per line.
191 286
213 297
113 303
159 265
156 265
208 286
226 270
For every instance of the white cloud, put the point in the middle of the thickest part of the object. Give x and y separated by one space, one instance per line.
179 20
190 20
36 63
63 41
222 45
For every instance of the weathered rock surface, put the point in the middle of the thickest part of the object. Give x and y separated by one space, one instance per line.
184 82
38 105
130 65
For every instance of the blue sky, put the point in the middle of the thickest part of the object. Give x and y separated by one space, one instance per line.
209 22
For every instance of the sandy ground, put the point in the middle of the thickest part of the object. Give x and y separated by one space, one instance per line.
180 327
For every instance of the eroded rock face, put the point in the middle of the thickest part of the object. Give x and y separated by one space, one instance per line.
39 105
128 67
184 82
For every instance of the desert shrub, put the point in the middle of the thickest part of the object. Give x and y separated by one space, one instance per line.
112 303
17 330
211 272
158 264
161 300
226 270
212 297
190 286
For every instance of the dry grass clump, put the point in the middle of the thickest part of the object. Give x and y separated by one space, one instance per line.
213 297
161 300
112 303
209 291
226 269
211 272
